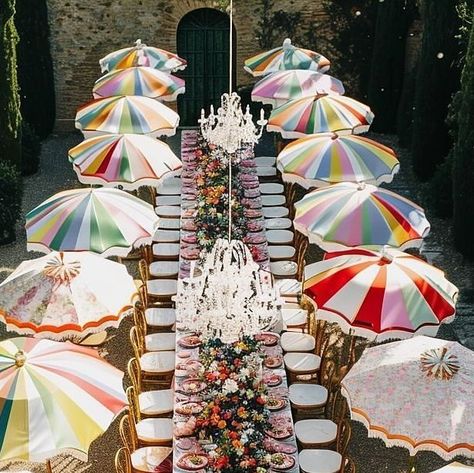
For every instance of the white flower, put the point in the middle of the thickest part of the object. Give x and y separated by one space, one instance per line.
230 386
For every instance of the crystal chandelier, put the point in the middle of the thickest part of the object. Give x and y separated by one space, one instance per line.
231 128
230 298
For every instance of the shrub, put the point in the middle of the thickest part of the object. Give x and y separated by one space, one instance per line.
405 110
30 150
10 201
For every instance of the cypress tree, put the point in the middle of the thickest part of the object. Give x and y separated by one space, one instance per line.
10 117
463 166
437 80
394 17
35 67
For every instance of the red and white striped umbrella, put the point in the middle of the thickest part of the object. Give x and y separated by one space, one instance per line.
380 295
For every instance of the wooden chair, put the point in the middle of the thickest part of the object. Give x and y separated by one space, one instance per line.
155 319
297 342
290 192
123 463
348 465
150 430
158 341
336 408
154 403
157 290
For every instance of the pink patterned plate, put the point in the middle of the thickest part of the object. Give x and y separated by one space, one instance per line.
273 361
190 341
267 339
282 461
192 461
192 386
280 433
273 446
253 213
272 380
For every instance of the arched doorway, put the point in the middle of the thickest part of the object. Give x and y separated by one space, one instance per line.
203 40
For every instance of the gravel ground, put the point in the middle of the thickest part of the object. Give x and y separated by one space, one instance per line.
370 455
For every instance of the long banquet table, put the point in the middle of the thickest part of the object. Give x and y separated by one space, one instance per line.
184 424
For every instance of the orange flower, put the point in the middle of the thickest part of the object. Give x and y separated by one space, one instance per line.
222 424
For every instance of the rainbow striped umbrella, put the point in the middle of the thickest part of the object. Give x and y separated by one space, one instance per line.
142 55
65 294
383 295
280 87
284 58
320 114
105 221
144 81
54 396
326 158
130 161
348 215
126 114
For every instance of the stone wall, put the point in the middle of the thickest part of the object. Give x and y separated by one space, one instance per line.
84 31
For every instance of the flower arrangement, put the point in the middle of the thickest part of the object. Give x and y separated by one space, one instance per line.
235 416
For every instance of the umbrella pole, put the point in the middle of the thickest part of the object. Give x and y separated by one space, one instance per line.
412 464
49 468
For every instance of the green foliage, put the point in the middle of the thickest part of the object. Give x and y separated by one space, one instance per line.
405 110
30 150
10 200
394 17
274 25
10 117
350 46
437 80
35 66
463 166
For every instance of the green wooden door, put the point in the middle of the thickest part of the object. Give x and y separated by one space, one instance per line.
203 40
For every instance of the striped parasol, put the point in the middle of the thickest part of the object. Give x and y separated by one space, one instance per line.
142 55
348 215
280 87
54 396
326 158
105 221
130 161
284 58
383 295
66 294
320 114
126 114
144 81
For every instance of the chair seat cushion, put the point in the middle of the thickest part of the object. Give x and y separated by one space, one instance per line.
166 236
158 361
294 341
277 252
160 316
303 363
165 249
316 431
168 200
279 237
169 224
147 459
265 160
265 171
275 212
294 317
271 200
162 287
288 287
160 341
272 188
282 223
163 269
168 210
156 402
283 268
305 395
319 461
155 430
170 186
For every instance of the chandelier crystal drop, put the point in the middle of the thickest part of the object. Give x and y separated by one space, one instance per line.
231 296
230 127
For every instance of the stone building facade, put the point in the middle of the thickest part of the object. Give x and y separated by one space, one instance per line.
84 31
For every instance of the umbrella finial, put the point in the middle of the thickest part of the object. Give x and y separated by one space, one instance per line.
138 43
20 358
360 186
334 136
287 43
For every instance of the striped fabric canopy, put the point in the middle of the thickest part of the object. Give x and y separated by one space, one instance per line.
142 55
127 160
326 158
284 58
54 396
348 215
144 81
320 114
104 221
380 295
126 114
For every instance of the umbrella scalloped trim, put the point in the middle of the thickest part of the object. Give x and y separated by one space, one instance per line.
447 452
